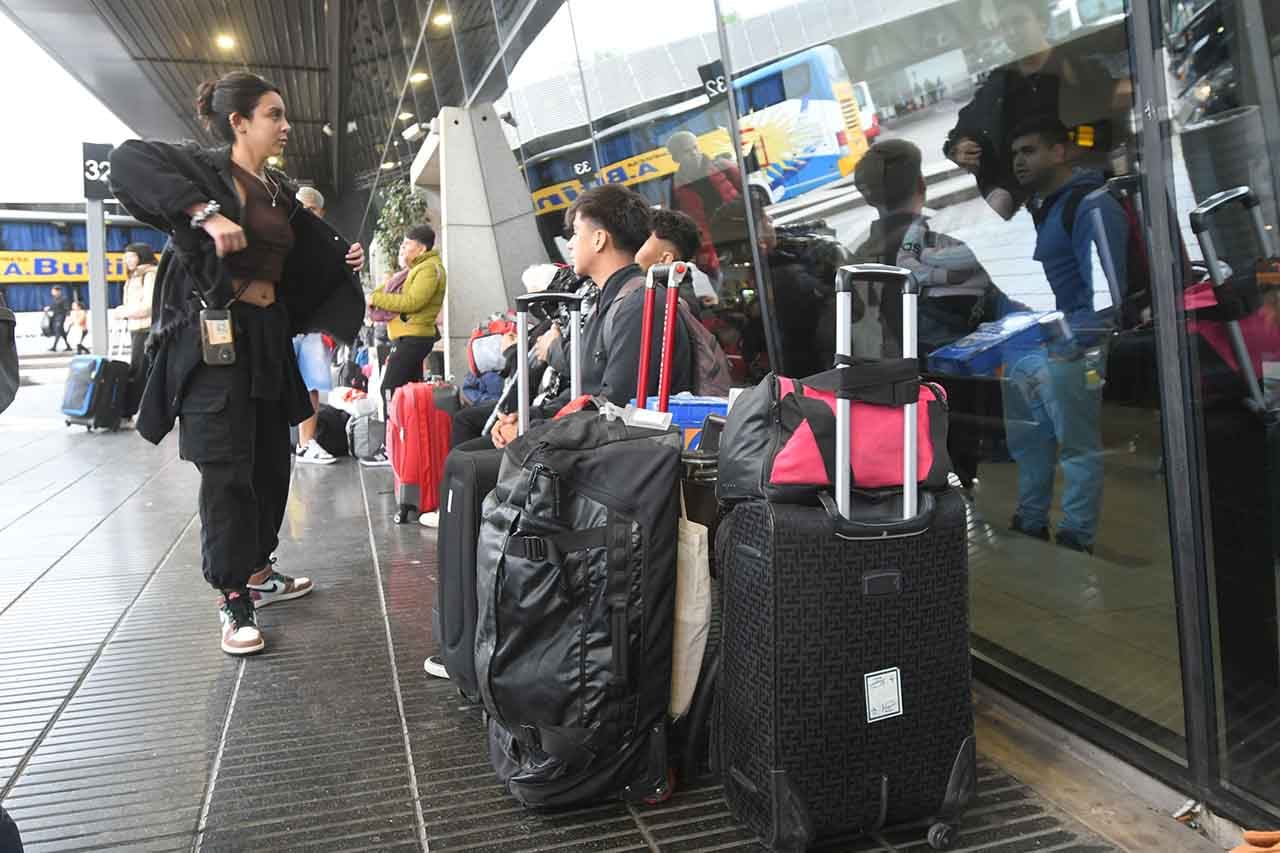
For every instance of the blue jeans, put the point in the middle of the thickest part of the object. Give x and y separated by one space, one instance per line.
1052 411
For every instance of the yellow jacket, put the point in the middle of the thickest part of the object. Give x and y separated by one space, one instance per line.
419 300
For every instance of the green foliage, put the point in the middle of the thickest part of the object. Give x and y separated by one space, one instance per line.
402 208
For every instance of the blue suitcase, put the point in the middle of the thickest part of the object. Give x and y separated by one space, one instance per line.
95 392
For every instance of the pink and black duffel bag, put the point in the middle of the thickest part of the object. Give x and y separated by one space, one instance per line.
779 437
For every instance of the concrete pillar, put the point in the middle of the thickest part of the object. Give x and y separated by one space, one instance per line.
485 221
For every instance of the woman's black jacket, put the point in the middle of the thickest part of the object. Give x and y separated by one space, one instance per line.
157 182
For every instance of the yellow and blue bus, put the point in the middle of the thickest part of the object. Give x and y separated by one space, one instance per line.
799 125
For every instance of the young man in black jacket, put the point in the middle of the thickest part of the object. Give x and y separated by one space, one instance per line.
610 223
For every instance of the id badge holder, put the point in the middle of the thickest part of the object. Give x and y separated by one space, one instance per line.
217 338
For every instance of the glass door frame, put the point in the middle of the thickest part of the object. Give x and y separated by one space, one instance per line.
1190 528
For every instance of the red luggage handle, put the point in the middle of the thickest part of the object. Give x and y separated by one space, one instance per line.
882 274
674 274
1201 220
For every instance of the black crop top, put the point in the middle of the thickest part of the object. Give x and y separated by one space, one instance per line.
266 227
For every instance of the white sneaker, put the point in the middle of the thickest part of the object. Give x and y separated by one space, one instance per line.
239 628
435 666
378 460
314 454
429 519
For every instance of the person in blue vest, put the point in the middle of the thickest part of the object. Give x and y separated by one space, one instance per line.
1053 395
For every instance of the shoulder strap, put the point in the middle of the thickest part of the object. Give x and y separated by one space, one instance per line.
1071 207
628 287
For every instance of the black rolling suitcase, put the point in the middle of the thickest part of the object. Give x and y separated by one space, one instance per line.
468 478
95 392
1242 460
844 696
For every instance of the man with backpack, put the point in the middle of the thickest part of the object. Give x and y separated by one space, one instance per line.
1053 395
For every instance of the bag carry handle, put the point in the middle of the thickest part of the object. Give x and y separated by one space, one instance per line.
523 303
673 275
1201 223
881 274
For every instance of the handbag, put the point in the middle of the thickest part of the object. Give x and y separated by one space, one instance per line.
692 610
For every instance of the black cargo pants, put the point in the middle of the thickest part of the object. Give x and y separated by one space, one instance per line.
241 446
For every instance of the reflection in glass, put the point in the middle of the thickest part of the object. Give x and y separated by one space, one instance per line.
1057 445
1222 84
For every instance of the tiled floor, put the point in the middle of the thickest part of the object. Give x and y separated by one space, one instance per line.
123 727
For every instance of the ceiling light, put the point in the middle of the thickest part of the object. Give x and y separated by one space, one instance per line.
225 41
352 126
412 132
419 77
327 129
388 166
444 19
405 116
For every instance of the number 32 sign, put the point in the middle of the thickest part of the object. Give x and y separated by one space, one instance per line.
96 168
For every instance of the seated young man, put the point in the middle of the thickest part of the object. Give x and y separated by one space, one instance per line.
610 224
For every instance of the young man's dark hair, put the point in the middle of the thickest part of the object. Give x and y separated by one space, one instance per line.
679 230
1049 128
888 175
424 234
622 212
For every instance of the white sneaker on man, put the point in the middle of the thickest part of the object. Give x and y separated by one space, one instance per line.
314 454
435 666
429 519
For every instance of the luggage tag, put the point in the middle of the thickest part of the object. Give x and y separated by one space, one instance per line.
217 338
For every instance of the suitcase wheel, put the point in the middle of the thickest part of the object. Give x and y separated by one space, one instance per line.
941 836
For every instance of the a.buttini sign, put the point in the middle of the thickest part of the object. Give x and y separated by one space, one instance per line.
42 267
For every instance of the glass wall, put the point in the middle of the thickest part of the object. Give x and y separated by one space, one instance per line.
1226 134
1055 440
993 147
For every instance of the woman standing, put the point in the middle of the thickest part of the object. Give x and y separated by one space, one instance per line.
250 269
413 328
140 264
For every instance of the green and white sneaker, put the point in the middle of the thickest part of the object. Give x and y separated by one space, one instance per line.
240 633
278 587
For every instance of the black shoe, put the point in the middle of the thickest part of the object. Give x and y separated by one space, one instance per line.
1067 539
1017 526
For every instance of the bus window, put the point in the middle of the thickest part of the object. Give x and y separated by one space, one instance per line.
790 83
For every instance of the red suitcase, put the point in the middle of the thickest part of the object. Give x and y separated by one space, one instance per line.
417 443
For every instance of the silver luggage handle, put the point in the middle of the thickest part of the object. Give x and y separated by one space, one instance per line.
881 274
523 303
1201 223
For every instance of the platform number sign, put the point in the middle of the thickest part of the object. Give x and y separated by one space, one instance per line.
714 80
96 168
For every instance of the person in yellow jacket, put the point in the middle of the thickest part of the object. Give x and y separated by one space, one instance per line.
417 305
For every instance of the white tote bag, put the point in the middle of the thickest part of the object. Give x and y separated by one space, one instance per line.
693 610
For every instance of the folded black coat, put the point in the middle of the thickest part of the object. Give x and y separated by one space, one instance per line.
157 182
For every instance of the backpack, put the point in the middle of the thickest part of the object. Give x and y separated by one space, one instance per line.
711 376
331 430
1137 283
499 326
366 435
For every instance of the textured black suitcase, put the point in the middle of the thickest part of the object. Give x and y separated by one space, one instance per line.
468 478
844 692
94 396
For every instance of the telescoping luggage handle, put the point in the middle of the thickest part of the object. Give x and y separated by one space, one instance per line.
1201 224
523 302
673 275
882 274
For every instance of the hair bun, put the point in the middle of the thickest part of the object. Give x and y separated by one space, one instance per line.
204 99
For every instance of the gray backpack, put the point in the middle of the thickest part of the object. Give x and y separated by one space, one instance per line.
366 435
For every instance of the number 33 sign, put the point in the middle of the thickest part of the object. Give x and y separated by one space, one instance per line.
96 168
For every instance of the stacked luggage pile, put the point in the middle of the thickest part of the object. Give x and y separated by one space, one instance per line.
574 596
